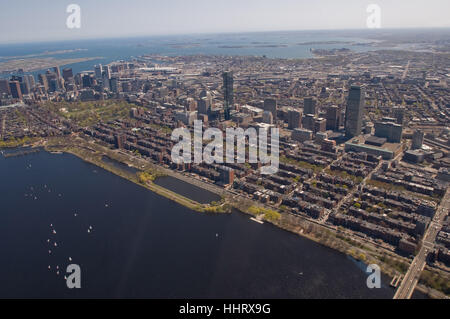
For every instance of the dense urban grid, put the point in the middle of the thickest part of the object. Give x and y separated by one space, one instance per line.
364 137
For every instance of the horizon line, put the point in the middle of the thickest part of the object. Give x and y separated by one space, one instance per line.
135 36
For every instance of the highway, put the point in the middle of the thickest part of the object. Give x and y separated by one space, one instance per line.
409 283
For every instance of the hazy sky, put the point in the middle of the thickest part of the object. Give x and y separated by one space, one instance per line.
41 20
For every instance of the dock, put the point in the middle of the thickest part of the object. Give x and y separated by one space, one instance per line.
396 281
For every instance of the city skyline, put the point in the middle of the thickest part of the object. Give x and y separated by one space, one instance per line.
47 22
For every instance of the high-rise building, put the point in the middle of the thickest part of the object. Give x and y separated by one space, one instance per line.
67 74
16 92
114 85
226 175
203 105
267 117
309 105
294 119
98 71
271 106
308 122
206 94
320 125
417 140
57 72
25 87
53 85
88 81
333 117
355 111
228 93
4 86
106 83
43 80
29 80
107 72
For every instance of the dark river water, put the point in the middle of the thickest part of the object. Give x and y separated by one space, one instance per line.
132 243
185 189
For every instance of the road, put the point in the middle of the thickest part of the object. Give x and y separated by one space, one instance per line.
409 283
2 131
405 73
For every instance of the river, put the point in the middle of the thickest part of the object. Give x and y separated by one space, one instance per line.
132 243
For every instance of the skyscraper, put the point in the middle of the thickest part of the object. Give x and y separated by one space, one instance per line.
29 80
16 92
333 117
4 86
43 80
67 74
267 117
294 119
98 71
309 105
114 84
57 72
355 111
417 140
308 122
271 106
228 93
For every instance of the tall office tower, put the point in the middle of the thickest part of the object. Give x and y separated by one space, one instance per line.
16 92
203 105
25 87
206 94
98 71
308 122
57 72
88 80
4 86
271 106
51 76
114 83
355 111
107 72
67 74
228 93
294 119
417 140
106 82
29 80
43 80
309 105
267 117
17 78
320 125
333 117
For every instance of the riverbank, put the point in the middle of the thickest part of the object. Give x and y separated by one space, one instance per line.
390 263
144 177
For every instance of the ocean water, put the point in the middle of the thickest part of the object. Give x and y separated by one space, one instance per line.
290 45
